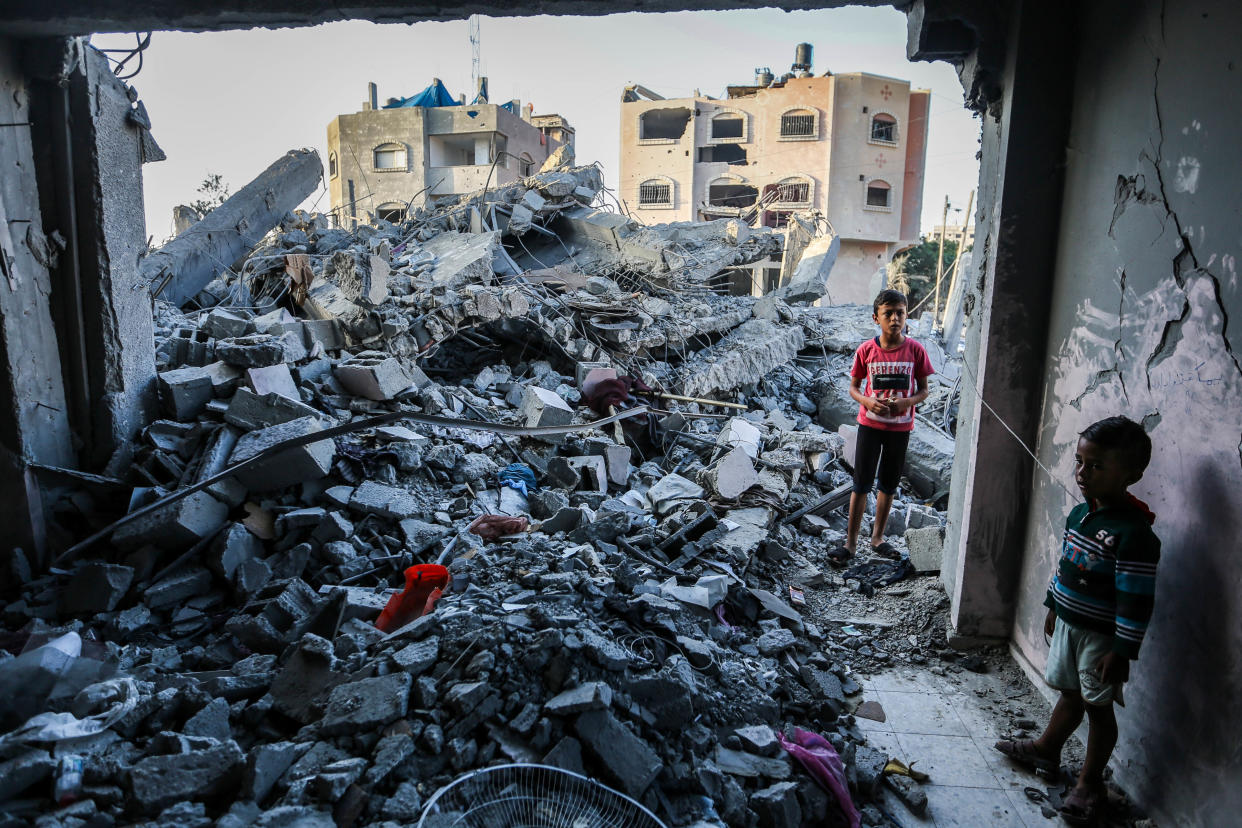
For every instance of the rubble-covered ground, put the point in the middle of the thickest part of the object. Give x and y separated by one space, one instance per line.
649 603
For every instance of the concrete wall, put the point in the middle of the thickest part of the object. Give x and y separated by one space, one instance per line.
1145 291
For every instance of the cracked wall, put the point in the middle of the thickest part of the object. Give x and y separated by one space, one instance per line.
1146 323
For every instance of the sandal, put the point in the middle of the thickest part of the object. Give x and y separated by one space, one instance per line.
1024 754
886 550
1082 808
839 557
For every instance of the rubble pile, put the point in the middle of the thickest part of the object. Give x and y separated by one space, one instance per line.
490 511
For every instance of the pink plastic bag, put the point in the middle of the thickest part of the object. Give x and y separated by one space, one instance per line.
819 757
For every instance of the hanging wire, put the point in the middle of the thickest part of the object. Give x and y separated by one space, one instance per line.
142 41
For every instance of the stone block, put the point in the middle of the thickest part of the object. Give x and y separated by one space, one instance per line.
273 379
777 806
388 501
328 333
225 324
850 450
421 536
267 763
391 752
541 407
178 587
739 763
307 677
288 467
224 378
185 392
254 351
593 695
775 641
740 433
733 474
159 781
373 375
177 525
96 587
251 411
367 704
334 779
211 722
23 771
626 760
926 547
592 472
616 460
920 517
419 657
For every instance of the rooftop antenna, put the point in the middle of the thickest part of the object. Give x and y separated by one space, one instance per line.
475 72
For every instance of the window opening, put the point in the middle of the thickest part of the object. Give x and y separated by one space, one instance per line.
884 128
393 212
390 157
878 194
655 192
332 170
664 123
731 194
734 154
728 126
793 192
798 124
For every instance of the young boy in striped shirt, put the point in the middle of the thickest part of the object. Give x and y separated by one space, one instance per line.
1099 603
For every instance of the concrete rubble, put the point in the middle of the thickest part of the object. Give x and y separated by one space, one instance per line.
633 621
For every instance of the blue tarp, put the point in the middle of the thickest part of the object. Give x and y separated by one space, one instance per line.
509 107
433 96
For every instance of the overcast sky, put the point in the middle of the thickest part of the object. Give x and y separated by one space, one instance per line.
233 102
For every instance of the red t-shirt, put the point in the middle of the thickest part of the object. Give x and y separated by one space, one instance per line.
887 375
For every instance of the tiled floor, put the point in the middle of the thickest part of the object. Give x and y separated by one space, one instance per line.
938 724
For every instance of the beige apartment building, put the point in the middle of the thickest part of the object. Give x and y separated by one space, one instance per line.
414 152
850 146
963 235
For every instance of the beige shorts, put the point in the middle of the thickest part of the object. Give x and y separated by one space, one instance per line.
1072 660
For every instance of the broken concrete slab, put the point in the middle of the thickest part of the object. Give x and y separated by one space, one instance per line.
294 465
376 376
176 525
159 781
926 547
96 587
733 474
366 704
625 759
743 357
185 392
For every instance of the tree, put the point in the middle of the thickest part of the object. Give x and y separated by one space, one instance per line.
915 270
213 192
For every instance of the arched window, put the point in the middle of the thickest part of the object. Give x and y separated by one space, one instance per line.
389 157
879 195
332 169
731 192
391 211
655 192
795 189
527 165
883 128
799 123
729 126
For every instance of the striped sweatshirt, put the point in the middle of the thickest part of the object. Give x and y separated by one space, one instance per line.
1106 579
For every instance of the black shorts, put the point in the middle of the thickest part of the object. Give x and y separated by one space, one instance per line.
887 449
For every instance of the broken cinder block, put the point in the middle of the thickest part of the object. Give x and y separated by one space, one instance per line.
294 465
375 376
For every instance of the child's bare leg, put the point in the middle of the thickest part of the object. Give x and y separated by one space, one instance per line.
858 505
883 502
1065 718
1101 739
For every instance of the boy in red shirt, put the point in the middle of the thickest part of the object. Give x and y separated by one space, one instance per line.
889 379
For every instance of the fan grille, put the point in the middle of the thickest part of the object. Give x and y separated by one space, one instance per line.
532 796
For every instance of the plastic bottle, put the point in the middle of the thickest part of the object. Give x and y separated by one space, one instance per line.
69 779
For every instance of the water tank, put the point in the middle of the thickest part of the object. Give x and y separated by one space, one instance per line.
802 57
763 76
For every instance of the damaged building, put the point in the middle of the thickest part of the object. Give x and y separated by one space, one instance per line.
217 500
849 146
423 149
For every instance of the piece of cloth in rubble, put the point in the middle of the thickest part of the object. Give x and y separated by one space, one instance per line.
879 573
423 585
518 476
491 527
820 759
95 708
615 392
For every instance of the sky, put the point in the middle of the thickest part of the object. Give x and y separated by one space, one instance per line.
231 103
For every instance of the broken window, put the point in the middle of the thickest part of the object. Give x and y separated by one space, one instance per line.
798 123
725 192
654 191
392 211
793 191
776 219
884 128
332 170
878 193
389 157
527 165
663 123
728 153
728 125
